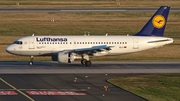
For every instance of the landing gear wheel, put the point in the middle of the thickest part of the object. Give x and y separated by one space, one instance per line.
83 61
88 63
30 63
31 60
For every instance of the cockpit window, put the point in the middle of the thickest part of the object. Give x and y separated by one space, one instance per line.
18 42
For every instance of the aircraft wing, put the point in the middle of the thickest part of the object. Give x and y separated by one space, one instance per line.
91 50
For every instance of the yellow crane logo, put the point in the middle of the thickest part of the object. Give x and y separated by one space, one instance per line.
158 21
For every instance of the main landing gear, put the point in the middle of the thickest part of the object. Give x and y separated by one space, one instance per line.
85 60
31 60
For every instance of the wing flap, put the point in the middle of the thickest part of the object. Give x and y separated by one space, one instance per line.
91 50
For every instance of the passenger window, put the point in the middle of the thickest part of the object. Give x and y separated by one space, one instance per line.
20 42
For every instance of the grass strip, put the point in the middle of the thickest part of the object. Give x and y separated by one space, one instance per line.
96 23
157 87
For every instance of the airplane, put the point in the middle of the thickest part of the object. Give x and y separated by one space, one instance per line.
65 49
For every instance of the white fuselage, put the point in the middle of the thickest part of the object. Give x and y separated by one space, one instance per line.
46 45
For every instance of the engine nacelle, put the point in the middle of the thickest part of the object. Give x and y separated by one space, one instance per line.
65 57
100 54
54 57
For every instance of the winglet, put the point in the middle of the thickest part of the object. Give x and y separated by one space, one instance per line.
156 25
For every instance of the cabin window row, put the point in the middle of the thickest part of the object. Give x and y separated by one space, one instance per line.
100 42
83 42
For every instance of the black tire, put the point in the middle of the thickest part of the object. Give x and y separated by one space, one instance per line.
83 61
88 63
30 63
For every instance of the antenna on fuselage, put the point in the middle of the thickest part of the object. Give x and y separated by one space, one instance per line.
33 34
106 34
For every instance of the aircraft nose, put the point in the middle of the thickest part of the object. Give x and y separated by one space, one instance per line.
9 49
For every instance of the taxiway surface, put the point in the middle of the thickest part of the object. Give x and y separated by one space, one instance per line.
97 67
62 87
51 81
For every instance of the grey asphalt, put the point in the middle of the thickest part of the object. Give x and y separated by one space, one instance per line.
51 77
83 9
97 67
92 85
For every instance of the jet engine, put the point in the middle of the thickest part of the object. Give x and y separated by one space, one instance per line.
66 57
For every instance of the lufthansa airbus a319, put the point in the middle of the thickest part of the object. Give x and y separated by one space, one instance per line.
65 49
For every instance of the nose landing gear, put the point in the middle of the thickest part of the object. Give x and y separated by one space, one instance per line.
31 60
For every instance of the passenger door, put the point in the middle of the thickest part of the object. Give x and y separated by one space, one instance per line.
31 43
135 43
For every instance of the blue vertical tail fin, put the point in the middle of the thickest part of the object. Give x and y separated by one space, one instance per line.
156 25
